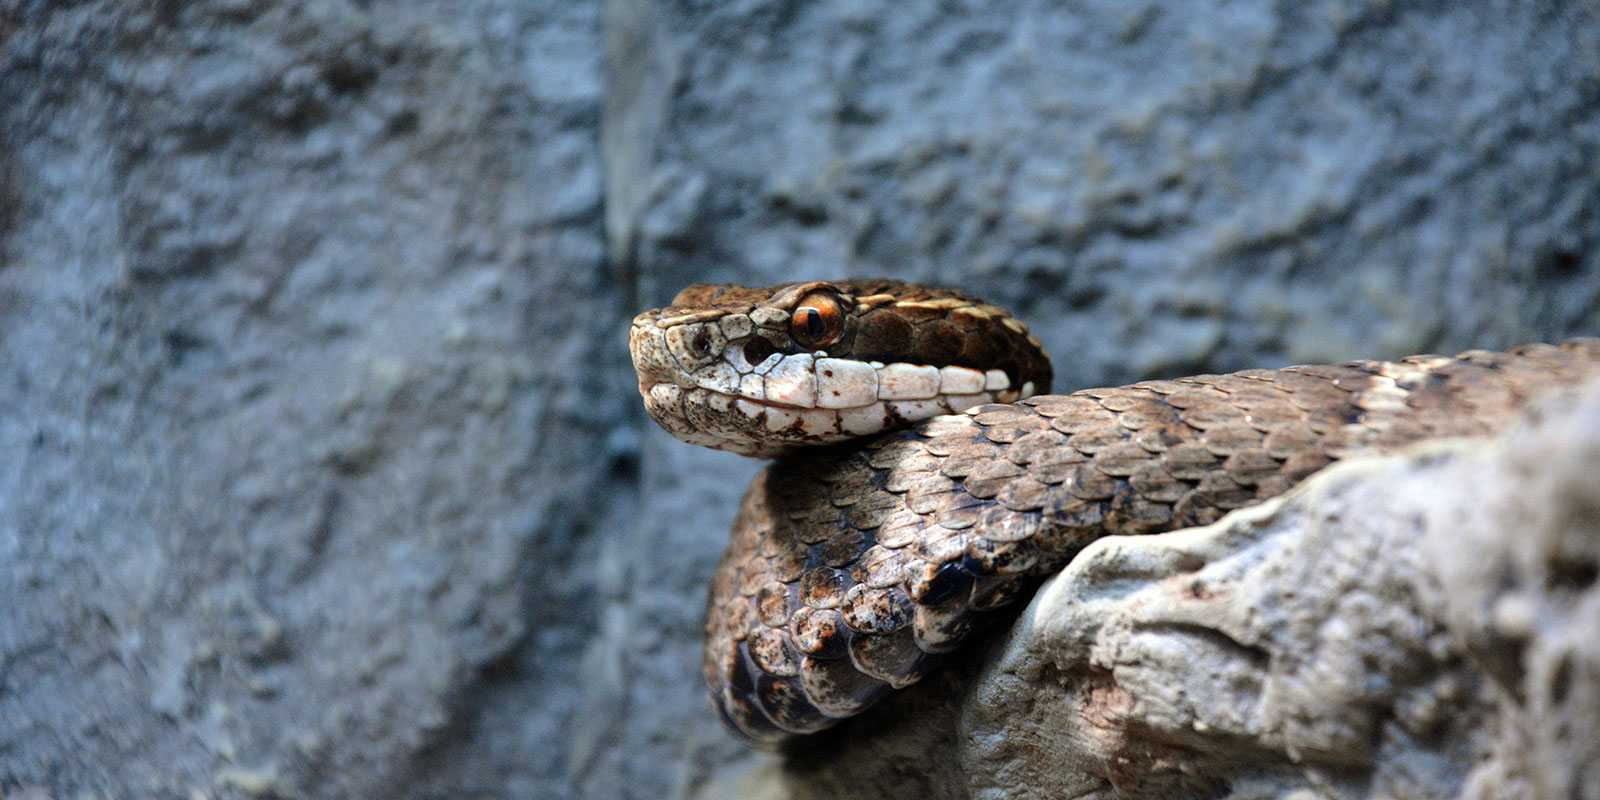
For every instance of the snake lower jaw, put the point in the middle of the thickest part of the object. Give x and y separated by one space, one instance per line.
762 428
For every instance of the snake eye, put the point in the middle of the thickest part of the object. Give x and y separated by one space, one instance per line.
817 321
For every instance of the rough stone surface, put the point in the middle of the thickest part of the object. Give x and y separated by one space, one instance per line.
1168 187
296 466
1417 626
321 474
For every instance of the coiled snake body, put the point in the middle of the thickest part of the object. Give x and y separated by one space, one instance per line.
854 567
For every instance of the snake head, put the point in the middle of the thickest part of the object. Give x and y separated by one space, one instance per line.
764 371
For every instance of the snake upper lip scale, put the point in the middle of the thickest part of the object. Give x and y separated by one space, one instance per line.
853 570
645 387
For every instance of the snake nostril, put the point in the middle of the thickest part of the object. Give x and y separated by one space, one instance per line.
757 349
701 343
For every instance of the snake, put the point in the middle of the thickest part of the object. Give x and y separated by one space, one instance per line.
923 478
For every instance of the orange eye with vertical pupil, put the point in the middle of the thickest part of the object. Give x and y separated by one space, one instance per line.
817 321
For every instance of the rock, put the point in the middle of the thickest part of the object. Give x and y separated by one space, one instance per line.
297 460
1414 626
321 470
1158 189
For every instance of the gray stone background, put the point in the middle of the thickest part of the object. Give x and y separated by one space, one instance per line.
321 469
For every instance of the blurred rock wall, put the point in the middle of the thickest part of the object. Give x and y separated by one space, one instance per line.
321 473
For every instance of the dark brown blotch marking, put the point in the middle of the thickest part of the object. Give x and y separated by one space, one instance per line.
883 336
939 342
981 352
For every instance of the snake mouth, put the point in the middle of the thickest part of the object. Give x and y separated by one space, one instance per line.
790 400
645 388
766 427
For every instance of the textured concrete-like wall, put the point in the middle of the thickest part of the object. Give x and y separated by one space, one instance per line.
320 469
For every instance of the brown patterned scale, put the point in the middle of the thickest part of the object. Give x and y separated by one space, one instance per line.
852 571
